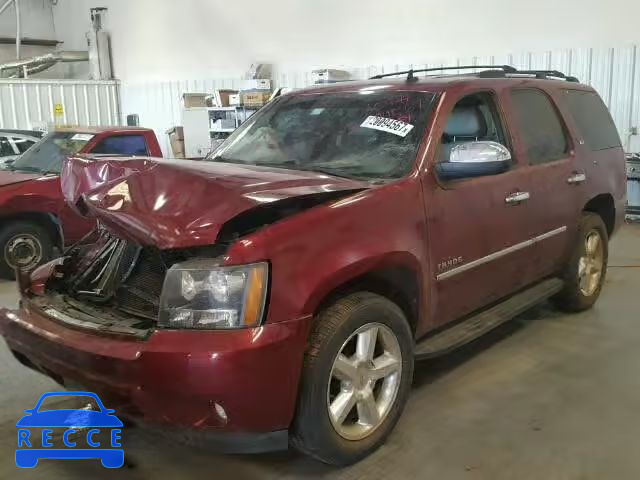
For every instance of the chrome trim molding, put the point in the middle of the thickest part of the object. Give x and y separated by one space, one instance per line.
499 254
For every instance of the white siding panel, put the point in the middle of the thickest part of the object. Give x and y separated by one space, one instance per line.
28 103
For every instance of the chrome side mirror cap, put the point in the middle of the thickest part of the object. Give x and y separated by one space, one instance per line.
474 159
479 152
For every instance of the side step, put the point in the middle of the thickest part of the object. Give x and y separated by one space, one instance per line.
477 325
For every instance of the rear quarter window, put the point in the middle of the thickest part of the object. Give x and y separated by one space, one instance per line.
593 120
122 145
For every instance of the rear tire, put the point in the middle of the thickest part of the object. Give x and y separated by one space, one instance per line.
585 274
23 244
374 380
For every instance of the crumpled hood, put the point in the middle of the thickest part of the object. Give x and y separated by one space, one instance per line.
182 203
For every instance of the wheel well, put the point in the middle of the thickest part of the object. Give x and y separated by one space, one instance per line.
398 284
604 206
46 220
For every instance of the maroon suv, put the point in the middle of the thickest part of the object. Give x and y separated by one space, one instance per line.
279 292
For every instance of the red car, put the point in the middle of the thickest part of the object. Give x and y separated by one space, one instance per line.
34 219
280 292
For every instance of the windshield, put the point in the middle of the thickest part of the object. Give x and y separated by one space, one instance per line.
368 134
46 156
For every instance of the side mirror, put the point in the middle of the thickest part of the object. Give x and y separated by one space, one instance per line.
475 159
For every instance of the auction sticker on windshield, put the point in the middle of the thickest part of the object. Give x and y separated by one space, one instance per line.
389 125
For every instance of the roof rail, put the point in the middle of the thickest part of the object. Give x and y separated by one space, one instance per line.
491 71
411 77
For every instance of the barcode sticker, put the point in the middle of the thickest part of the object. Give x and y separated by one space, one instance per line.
389 125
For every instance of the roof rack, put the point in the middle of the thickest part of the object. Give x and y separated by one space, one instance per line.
492 71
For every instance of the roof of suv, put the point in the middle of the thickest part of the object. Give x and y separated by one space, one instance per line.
437 83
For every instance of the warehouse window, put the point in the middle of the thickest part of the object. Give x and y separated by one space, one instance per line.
540 127
122 145
593 120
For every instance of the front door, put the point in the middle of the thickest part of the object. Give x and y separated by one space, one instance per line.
479 228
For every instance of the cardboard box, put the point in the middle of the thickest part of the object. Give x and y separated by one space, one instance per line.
176 140
330 75
222 97
253 99
258 84
194 100
234 99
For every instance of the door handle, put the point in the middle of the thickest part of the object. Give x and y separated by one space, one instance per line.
517 198
576 178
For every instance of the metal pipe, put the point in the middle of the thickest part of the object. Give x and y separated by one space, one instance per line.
5 5
18 30
36 64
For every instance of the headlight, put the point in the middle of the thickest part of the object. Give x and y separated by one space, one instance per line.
200 295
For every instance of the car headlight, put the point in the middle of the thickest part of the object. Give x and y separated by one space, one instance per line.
199 295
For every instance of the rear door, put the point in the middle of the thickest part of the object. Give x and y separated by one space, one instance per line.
543 143
478 238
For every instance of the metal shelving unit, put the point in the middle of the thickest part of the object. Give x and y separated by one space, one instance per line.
239 114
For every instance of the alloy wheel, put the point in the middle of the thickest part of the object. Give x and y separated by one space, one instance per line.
364 381
591 264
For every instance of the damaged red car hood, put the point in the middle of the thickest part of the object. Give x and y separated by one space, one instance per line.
182 203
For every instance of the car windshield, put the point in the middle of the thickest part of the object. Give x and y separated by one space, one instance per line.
369 134
46 156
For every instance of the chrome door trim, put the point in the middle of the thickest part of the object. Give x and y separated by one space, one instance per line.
499 254
517 198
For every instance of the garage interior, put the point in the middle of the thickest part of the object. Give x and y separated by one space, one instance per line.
545 395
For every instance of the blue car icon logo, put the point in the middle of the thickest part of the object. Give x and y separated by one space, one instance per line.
33 446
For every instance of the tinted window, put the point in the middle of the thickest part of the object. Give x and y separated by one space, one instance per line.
539 126
593 120
122 145
23 144
5 147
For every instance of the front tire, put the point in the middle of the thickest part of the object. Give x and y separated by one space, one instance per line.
585 274
25 245
356 379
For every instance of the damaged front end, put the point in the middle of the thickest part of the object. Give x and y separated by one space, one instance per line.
129 278
112 285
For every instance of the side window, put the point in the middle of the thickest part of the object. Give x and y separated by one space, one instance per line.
122 145
6 149
22 144
474 118
540 127
593 120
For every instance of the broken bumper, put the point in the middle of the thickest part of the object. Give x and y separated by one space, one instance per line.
239 382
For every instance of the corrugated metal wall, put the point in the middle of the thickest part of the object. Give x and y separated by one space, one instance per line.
613 72
30 104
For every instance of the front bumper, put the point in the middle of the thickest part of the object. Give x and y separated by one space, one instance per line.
173 378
